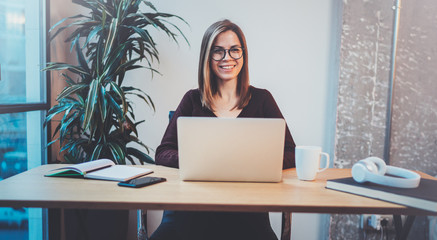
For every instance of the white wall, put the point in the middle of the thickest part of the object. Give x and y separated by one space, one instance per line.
289 53
292 52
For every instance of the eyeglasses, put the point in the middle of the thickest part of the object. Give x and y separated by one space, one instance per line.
219 54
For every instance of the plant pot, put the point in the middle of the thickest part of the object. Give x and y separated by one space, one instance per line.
95 224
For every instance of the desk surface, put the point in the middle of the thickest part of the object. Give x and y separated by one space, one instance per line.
32 189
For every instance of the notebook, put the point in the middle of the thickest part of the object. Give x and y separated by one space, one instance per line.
231 149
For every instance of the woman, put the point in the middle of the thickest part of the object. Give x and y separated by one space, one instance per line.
224 91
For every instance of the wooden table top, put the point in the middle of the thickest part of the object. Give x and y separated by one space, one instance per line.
32 189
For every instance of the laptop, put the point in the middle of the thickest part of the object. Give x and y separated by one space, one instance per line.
231 149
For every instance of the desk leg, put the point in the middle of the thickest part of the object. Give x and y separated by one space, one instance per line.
55 222
286 226
142 225
402 230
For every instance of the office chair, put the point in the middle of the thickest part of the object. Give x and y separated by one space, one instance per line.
143 234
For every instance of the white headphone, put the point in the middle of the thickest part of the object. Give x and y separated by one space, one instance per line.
373 169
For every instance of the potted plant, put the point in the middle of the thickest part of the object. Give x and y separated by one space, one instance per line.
97 117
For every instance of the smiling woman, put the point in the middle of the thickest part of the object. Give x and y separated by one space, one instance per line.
224 91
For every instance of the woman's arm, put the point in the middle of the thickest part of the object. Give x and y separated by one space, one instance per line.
271 110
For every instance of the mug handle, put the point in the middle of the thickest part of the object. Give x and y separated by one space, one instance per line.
327 162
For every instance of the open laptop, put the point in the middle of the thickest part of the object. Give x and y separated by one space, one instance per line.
231 149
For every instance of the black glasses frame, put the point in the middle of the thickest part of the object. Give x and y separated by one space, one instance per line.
228 51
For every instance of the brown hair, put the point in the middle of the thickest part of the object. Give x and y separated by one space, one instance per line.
207 81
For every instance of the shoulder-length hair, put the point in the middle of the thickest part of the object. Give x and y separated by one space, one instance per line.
208 86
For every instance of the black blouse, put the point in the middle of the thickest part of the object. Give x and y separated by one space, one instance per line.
261 105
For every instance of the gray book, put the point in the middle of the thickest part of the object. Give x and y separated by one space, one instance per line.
423 197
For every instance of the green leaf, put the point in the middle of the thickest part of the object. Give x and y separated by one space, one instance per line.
103 105
149 4
111 36
70 90
178 29
96 153
74 42
68 145
75 33
60 22
50 143
80 100
115 107
54 111
131 160
92 34
144 34
120 93
140 155
63 20
65 123
112 61
78 143
56 130
90 103
147 99
136 140
117 152
120 9
63 66
67 79
69 159
103 7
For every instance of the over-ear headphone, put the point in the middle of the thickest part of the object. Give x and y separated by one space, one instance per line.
373 169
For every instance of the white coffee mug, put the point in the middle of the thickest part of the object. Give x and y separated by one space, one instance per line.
308 162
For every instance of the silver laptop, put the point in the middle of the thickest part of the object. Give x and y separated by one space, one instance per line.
225 149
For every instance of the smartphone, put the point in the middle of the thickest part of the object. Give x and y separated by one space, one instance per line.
141 182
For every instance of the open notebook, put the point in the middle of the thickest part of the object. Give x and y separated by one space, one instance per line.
225 149
102 169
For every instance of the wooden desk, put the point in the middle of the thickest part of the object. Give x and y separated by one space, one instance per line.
32 189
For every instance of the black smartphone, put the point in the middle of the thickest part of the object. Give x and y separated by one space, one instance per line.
141 182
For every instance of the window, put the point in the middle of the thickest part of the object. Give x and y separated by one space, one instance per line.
23 106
